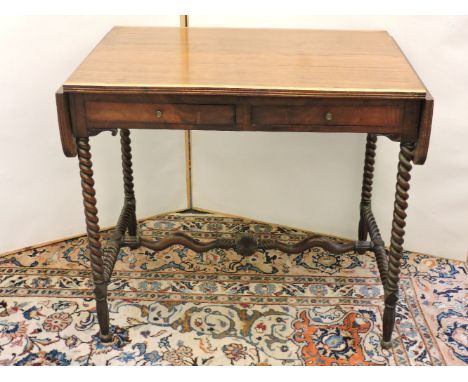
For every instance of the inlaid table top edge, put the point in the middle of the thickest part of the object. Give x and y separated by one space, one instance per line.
248 91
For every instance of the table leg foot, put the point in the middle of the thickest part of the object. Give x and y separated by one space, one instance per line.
133 242
105 338
386 344
102 311
389 317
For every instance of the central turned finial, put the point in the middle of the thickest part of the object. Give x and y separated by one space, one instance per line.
246 244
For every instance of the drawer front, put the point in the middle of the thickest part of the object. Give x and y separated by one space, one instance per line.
328 115
158 113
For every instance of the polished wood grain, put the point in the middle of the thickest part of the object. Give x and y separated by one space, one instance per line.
247 62
65 128
424 131
330 114
153 114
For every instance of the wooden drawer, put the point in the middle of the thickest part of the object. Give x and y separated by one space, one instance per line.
121 114
328 115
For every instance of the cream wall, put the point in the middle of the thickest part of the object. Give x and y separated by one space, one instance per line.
40 194
313 180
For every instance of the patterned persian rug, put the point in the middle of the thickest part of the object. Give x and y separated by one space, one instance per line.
178 307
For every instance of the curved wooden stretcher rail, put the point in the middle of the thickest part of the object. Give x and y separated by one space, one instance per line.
246 244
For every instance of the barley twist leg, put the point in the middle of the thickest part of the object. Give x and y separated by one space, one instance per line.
396 241
92 229
128 179
366 194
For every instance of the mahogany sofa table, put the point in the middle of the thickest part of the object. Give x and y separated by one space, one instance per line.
246 80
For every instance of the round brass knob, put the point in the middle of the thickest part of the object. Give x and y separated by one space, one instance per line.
328 116
158 113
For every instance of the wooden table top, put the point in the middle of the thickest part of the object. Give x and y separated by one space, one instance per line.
247 62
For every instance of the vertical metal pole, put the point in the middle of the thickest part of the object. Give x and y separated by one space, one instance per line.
184 23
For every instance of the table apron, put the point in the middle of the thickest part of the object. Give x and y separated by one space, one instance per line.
92 113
